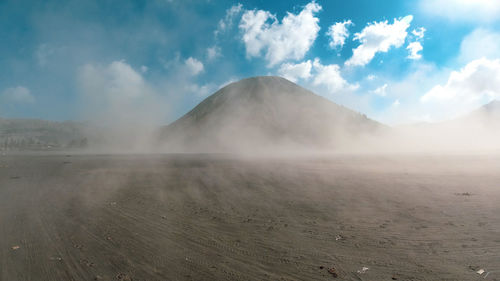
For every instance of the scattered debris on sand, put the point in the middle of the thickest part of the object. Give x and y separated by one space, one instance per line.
55 258
463 194
16 247
87 263
473 267
124 277
333 272
339 237
363 270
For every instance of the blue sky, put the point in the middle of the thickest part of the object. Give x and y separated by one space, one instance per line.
396 61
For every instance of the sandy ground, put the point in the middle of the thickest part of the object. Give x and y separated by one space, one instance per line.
199 217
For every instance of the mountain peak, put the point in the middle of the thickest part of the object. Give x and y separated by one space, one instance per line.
264 112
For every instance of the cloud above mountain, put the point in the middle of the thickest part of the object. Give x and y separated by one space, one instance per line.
290 38
478 80
379 37
338 33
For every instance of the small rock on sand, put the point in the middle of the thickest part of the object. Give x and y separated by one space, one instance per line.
333 272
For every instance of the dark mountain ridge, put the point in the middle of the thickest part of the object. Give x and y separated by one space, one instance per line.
266 112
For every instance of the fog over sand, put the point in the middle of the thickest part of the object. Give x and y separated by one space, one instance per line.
200 217
260 116
270 114
328 193
478 131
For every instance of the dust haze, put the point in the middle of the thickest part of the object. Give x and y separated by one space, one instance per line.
263 116
263 180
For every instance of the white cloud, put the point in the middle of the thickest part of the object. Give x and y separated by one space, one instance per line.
478 80
293 72
144 69
396 103
371 77
227 22
381 91
290 39
117 94
414 48
478 44
17 94
193 66
213 52
419 32
330 76
463 10
118 80
338 33
379 37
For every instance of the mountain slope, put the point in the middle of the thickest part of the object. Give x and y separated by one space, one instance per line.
487 115
265 113
478 130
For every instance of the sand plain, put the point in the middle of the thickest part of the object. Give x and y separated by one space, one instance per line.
222 217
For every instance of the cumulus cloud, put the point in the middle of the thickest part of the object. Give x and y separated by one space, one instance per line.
193 66
330 76
116 80
379 37
17 94
118 94
293 72
381 91
413 49
290 39
227 22
478 80
478 44
213 52
396 103
338 33
460 10
419 32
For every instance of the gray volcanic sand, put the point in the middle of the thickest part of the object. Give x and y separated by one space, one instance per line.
201 217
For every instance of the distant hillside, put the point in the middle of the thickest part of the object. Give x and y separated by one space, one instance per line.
266 113
478 130
32 134
487 115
